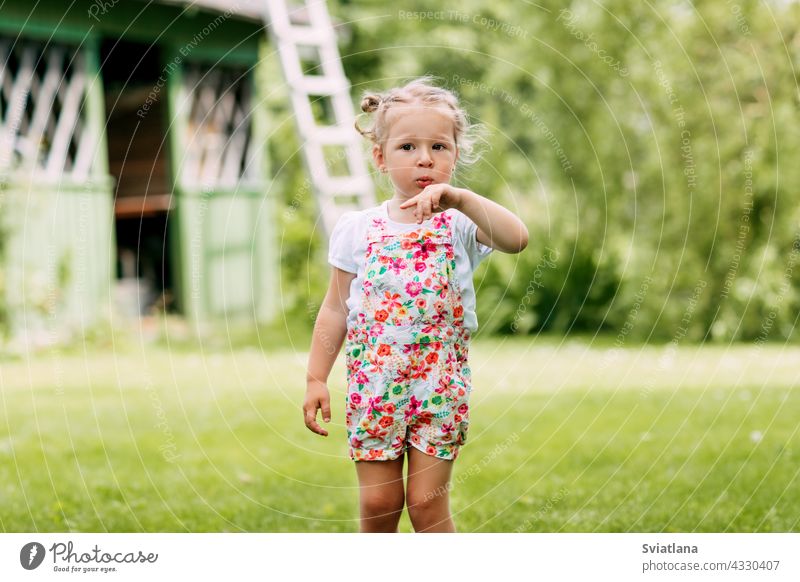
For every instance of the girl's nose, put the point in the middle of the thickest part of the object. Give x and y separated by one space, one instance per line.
424 158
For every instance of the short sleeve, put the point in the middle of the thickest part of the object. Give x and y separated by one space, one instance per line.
466 230
340 246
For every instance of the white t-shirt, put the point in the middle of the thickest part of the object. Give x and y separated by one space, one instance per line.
348 248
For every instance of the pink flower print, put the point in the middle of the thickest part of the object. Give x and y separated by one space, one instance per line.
361 378
440 287
412 348
421 369
425 249
447 427
412 409
356 443
438 306
390 300
377 432
376 403
421 303
398 264
403 376
354 365
414 288
463 409
377 365
355 398
419 266
440 220
376 330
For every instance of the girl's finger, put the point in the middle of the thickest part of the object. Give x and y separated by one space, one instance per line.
409 202
426 209
311 422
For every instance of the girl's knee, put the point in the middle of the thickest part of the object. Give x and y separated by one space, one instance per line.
376 501
429 503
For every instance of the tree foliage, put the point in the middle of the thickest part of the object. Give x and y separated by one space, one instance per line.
650 149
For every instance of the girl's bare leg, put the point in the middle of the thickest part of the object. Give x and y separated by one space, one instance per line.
428 493
381 494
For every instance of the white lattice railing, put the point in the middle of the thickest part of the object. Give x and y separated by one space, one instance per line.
219 140
43 114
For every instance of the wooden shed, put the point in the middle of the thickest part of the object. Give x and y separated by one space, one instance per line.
133 173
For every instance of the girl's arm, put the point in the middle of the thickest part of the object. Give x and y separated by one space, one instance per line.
498 227
329 332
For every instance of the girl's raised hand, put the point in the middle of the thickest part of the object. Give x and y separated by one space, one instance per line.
317 397
433 199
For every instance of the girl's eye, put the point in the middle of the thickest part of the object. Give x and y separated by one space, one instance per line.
440 146
406 147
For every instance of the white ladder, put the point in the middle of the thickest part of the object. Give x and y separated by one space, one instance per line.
308 28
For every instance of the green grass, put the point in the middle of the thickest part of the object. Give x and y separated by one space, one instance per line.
563 438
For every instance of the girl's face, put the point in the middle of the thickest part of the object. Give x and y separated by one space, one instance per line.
420 149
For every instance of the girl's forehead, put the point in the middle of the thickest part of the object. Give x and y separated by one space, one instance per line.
420 121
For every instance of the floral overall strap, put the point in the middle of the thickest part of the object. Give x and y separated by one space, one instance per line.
411 292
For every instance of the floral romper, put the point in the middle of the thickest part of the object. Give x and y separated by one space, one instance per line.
407 373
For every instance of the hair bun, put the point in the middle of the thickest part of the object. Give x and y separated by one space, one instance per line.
370 103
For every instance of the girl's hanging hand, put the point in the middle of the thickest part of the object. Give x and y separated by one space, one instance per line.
317 397
434 199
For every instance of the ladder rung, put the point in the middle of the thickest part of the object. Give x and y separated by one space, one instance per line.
319 85
308 35
333 135
346 185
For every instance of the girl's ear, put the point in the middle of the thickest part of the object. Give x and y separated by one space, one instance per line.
377 155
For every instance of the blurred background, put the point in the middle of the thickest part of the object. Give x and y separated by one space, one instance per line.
649 149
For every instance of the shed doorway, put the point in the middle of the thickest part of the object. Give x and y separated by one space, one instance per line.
136 120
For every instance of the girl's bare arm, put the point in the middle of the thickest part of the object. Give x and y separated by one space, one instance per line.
329 333
498 227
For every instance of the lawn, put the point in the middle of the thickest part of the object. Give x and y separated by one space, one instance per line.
565 437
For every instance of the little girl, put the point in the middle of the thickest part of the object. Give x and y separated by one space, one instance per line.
401 293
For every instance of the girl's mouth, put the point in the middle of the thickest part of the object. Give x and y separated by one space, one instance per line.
424 182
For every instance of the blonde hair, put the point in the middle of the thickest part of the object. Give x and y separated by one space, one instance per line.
421 90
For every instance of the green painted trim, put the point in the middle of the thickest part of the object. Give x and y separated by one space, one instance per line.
39 30
24 182
175 125
258 192
96 105
205 31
